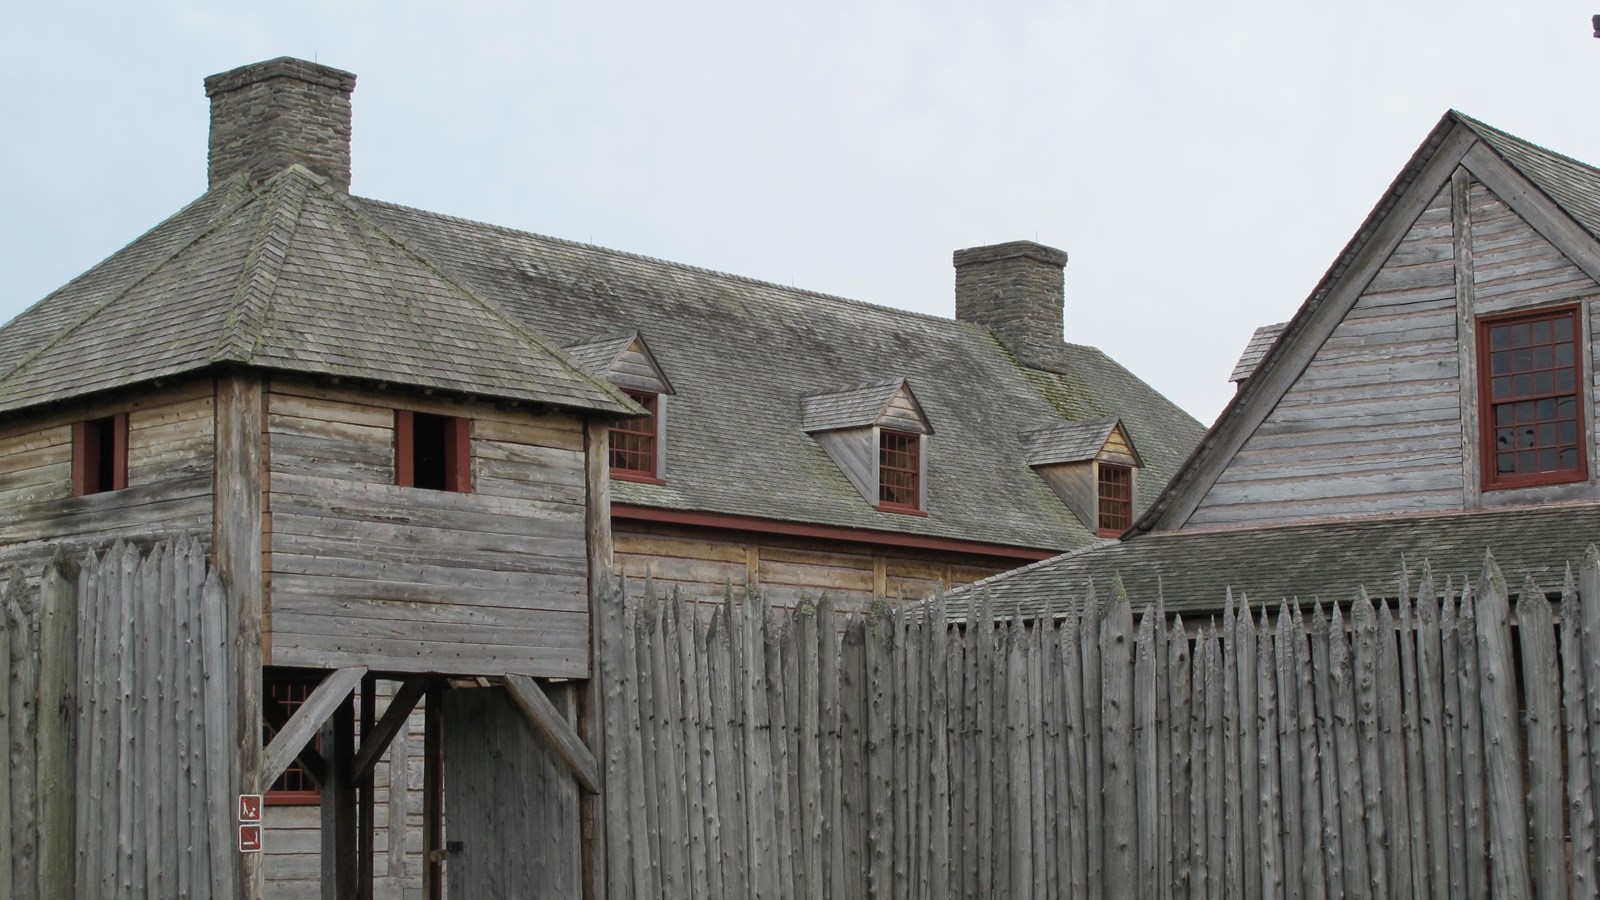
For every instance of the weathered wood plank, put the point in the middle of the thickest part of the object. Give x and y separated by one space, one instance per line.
1507 814
1541 691
375 743
1579 746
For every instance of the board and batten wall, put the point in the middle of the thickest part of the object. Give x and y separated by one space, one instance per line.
171 439
702 562
1378 423
363 572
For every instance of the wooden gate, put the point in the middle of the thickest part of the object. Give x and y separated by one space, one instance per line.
510 804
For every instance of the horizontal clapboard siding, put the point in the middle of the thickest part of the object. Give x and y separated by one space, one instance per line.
1387 378
701 565
364 572
170 472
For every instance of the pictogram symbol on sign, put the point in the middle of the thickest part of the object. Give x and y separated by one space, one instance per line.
249 838
249 807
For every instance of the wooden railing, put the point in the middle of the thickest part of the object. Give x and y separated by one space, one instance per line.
1434 745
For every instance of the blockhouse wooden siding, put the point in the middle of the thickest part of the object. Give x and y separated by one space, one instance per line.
1416 748
1375 423
400 579
171 438
702 564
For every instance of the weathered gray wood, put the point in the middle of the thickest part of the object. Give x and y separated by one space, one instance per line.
1580 795
1089 630
1270 803
236 539
1431 728
1216 881
1365 669
1466 335
1388 686
598 869
564 741
1288 742
1233 874
1328 766
700 784
308 719
1146 784
1541 691
1314 873
1472 750
879 755
1508 814
1075 740
1249 752
1116 666
1450 672
21 628
57 714
219 734
395 716
1417 826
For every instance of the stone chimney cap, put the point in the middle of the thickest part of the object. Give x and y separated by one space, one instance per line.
1011 250
282 67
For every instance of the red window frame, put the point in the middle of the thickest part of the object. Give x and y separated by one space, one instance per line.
283 693
100 455
899 471
448 436
636 442
1114 499
1532 405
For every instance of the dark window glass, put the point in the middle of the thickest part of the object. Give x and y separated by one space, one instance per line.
1531 398
899 469
633 441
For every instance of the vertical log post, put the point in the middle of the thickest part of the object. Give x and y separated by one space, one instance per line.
591 707
237 523
433 793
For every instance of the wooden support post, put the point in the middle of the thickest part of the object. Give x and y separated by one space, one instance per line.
237 527
365 783
433 794
339 807
591 709
375 740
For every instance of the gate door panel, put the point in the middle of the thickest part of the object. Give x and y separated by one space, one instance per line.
510 805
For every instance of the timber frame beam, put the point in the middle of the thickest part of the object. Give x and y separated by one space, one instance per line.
394 718
549 722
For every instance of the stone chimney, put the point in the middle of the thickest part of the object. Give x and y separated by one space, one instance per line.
1016 290
269 115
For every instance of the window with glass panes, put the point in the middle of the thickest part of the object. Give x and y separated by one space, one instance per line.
1115 499
899 470
282 694
1530 379
633 441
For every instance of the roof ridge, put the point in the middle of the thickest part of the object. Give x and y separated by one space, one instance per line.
687 267
244 327
218 220
528 336
1481 126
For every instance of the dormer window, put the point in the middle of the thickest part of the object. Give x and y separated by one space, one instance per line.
638 445
1093 467
877 435
100 455
899 471
1115 499
634 442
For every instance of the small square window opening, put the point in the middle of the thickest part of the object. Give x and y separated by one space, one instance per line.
100 455
899 470
433 452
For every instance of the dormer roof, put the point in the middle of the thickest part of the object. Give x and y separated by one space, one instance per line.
290 276
625 361
1071 442
888 403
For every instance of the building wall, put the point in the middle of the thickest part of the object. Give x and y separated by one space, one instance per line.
1379 422
363 572
170 471
702 562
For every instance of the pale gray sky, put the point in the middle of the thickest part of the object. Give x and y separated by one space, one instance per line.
1202 163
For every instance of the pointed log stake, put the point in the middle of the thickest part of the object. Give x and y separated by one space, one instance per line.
307 720
563 740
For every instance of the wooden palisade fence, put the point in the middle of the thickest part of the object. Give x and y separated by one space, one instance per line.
1419 747
115 702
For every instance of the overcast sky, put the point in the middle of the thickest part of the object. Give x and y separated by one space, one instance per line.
1201 163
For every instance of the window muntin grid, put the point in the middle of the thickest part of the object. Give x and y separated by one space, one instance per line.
633 441
1530 376
1115 499
899 469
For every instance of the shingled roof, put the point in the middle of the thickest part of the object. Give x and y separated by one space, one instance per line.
290 276
1193 571
744 354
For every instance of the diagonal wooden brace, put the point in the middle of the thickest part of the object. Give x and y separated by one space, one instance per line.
394 718
549 722
305 722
